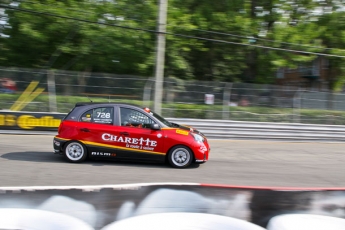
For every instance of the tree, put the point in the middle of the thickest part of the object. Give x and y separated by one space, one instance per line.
333 37
43 41
206 59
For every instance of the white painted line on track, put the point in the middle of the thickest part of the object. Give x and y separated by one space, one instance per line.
96 187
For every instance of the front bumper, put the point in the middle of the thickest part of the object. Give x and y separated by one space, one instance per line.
202 152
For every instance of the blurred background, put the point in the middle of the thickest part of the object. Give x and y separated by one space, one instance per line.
245 60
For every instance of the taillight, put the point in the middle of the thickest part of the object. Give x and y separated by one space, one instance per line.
60 127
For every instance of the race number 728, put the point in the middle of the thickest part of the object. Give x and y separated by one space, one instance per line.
103 115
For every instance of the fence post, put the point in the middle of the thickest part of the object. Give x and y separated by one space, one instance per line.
170 89
226 101
147 93
297 103
330 100
51 91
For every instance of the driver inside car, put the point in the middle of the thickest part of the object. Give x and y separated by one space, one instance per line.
127 119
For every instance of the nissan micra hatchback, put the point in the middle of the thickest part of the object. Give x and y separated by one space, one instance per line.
127 132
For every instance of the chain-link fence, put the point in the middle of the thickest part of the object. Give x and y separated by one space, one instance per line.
67 88
181 99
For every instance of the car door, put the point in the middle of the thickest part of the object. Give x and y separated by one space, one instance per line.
137 140
93 126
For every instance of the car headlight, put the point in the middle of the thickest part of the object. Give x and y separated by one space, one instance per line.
198 138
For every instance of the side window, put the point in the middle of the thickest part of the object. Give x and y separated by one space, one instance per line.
103 115
87 116
134 118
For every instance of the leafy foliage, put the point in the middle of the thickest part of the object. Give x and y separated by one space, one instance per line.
42 41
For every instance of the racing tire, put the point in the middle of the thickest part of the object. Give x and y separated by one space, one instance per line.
180 156
75 152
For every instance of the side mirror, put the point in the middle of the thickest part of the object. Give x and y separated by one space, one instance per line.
155 127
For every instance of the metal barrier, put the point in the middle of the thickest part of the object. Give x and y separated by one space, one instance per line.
226 129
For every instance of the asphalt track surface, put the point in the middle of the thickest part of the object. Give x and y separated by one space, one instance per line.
28 160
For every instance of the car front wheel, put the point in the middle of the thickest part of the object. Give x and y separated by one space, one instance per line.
75 152
180 156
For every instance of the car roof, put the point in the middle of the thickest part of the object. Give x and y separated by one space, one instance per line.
79 104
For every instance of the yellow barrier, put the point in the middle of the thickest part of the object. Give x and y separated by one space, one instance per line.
30 121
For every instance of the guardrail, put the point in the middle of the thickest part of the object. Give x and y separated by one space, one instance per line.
226 129
39 123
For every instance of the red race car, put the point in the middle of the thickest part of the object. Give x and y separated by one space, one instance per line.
127 132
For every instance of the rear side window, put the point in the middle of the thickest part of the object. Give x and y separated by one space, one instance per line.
102 115
69 116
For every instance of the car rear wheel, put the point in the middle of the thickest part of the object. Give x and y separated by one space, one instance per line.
75 152
180 157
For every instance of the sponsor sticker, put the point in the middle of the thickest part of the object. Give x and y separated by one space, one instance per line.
103 154
28 121
203 149
87 119
182 132
134 143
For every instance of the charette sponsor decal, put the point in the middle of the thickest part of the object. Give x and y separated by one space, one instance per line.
135 143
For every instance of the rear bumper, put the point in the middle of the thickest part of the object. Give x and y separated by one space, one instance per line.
58 144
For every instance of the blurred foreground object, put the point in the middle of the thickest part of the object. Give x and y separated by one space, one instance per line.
31 219
180 220
305 222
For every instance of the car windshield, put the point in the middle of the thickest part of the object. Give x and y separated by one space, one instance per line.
161 119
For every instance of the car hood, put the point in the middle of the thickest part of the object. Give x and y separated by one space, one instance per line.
188 128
